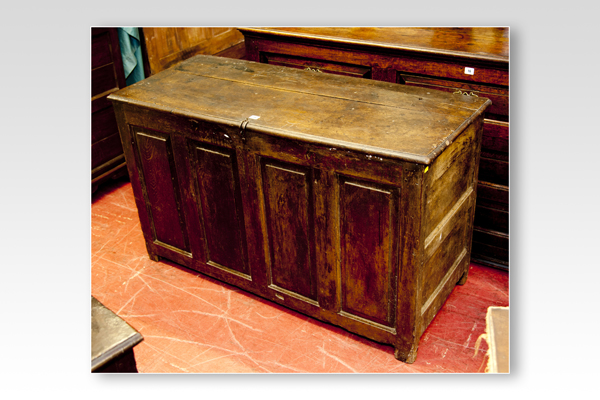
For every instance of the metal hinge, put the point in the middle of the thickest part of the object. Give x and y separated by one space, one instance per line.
243 129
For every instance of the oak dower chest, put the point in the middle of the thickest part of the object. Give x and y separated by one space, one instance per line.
345 199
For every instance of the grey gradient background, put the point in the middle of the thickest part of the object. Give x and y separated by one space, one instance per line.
45 198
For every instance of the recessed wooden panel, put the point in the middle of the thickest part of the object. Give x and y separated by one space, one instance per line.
289 212
368 220
459 215
446 255
218 183
162 191
445 190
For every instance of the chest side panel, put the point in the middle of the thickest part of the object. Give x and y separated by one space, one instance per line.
449 207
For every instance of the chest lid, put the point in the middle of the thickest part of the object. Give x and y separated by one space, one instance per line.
378 118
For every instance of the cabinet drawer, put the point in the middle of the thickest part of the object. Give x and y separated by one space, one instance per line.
331 67
104 124
495 143
493 196
450 70
490 247
498 95
103 79
106 149
493 171
101 50
491 219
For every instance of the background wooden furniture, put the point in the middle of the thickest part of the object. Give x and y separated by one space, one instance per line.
113 341
165 47
465 61
107 77
349 200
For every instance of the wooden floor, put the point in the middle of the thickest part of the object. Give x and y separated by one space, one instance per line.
195 324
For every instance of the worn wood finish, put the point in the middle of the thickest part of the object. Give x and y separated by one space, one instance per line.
346 199
107 77
431 58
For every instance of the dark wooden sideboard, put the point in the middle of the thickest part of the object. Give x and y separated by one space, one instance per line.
349 200
107 76
463 61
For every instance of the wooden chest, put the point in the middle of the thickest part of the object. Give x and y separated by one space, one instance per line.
348 200
461 61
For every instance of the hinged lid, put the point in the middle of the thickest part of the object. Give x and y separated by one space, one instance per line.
379 118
